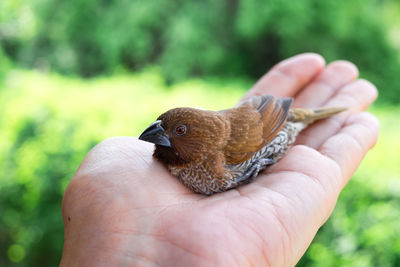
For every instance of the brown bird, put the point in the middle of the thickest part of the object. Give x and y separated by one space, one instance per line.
213 151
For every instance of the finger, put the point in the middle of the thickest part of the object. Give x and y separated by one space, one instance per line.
289 76
357 96
332 78
348 147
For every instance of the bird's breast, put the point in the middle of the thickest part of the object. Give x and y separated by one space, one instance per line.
201 179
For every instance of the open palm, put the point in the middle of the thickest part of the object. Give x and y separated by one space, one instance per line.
124 208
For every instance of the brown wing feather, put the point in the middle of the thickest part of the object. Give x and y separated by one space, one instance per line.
254 123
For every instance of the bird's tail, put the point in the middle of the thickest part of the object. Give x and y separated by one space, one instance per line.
308 116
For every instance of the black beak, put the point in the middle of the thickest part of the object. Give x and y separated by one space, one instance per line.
156 134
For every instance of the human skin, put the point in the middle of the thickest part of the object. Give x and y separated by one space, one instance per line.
123 208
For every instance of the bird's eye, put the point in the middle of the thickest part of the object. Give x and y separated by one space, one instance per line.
180 129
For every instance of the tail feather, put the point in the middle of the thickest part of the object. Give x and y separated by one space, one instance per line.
308 116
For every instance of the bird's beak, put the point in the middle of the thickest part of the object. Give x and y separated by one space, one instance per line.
156 134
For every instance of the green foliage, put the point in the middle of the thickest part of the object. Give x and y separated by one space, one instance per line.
48 123
5 65
202 38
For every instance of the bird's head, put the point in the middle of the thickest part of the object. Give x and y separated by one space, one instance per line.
183 135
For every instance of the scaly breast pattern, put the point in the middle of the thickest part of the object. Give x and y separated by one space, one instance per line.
200 179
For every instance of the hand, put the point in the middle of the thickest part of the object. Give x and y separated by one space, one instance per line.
124 208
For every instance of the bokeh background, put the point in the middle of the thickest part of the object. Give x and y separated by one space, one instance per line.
74 72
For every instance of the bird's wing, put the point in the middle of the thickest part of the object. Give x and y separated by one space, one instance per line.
254 123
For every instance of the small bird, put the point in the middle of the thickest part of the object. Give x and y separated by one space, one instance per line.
214 151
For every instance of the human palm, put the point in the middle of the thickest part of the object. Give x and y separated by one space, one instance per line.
124 208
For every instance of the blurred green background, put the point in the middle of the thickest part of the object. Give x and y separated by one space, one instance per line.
75 72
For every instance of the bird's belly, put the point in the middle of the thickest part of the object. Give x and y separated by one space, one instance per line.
201 180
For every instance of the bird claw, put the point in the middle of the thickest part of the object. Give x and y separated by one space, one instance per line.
254 170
